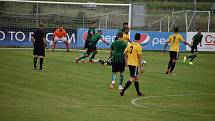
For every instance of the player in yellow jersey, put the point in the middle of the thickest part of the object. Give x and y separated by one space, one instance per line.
126 36
133 59
174 41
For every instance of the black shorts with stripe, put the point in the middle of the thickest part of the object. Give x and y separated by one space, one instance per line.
133 70
174 55
118 67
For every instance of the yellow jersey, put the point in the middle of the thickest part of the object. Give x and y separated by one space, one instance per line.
125 37
132 51
175 39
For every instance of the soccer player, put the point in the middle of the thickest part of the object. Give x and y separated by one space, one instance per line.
39 43
118 61
90 33
92 49
197 38
124 26
174 41
60 34
133 59
126 36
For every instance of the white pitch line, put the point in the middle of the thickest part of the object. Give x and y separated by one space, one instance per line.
68 105
133 102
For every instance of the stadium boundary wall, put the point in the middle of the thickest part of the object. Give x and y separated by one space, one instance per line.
149 40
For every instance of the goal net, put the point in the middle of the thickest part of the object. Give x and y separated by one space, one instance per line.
19 18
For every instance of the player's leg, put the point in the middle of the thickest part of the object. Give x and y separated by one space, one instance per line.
41 56
190 56
170 62
64 39
173 65
136 83
93 55
35 62
193 56
128 83
85 55
174 59
54 43
113 79
122 69
35 55
121 80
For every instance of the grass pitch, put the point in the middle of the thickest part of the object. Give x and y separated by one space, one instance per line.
66 91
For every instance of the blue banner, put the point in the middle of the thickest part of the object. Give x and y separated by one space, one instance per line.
109 35
155 40
149 40
22 37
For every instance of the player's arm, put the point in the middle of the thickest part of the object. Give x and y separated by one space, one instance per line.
32 39
140 59
166 44
111 51
44 40
104 40
54 35
185 42
126 56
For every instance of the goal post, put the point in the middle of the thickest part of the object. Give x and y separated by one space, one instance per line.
25 15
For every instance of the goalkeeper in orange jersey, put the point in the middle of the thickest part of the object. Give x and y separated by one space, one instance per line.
60 34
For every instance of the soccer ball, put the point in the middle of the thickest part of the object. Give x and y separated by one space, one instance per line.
143 62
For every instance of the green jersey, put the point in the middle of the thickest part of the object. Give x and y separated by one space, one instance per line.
197 39
89 35
118 48
121 30
95 39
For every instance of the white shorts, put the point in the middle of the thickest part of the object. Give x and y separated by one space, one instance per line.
56 39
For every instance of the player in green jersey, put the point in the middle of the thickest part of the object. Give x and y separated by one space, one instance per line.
118 60
90 33
92 49
197 38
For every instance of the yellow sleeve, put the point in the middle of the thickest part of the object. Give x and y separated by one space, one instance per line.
181 38
139 50
169 38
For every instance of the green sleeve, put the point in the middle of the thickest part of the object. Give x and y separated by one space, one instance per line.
111 47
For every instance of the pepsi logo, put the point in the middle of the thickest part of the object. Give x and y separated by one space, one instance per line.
144 40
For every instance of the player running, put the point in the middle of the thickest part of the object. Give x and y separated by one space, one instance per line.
60 34
133 54
197 38
39 43
118 61
92 49
174 40
90 33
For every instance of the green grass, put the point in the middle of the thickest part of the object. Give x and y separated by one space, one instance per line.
66 91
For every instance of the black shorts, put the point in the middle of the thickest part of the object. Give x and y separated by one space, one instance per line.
193 49
91 49
174 54
118 67
133 70
39 50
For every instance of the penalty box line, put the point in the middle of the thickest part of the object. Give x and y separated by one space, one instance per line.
134 102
